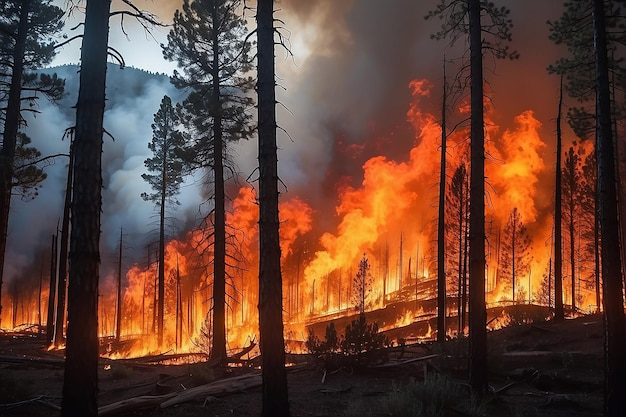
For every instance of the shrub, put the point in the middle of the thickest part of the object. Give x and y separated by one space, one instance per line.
363 344
425 399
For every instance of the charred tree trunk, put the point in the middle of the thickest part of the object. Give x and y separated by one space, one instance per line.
441 227
513 252
52 291
118 303
615 343
596 252
274 376
219 263
39 296
11 127
161 274
571 207
154 299
65 237
477 308
558 207
80 383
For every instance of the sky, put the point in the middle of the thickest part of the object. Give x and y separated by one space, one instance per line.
345 85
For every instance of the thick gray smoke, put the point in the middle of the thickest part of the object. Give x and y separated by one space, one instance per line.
133 96
347 84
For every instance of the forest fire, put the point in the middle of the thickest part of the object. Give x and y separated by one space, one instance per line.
385 213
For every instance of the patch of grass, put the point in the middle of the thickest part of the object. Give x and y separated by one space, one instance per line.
358 408
423 399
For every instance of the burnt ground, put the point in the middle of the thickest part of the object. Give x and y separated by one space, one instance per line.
541 369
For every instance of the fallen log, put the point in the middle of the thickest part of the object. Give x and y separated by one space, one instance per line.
60 362
237 356
133 404
221 387
404 362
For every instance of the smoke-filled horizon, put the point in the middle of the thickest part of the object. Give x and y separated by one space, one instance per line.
349 110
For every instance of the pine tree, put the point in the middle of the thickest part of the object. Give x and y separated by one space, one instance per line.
588 205
558 215
165 175
362 284
515 254
27 175
208 41
487 28
441 222
27 27
613 288
274 376
80 382
457 207
571 194
574 29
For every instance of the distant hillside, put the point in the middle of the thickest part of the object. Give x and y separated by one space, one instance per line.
123 85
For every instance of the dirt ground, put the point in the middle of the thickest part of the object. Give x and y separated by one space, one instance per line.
541 369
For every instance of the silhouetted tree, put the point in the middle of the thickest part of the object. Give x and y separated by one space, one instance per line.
558 215
465 18
27 173
272 344
208 42
63 254
515 254
457 223
589 204
27 27
80 383
441 223
615 326
165 175
362 284
571 192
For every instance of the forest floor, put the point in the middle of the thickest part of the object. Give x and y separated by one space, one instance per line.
540 369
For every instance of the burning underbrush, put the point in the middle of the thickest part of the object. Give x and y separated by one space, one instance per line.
383 216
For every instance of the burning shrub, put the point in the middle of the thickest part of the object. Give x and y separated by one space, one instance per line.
318 348
361 346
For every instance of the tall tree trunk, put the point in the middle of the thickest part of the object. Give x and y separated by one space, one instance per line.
155 285
596 251
558 207
39 296
272 344
615 333
118 303
161 275
460 300
65 237
571 203
11 127
219 259
513 252
80 384
477 309
400 267
441 225
52 291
